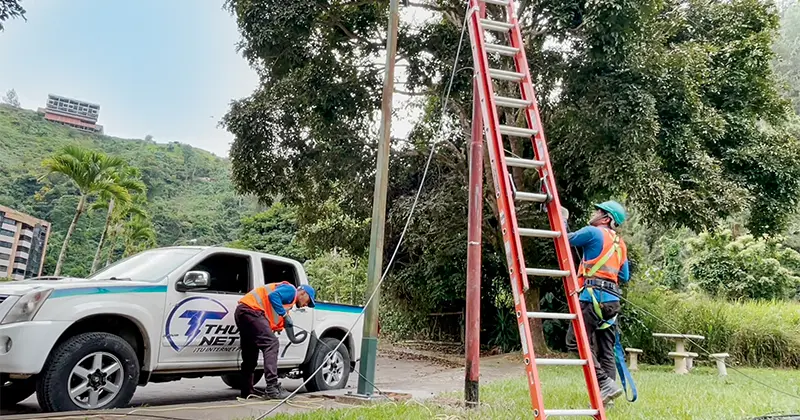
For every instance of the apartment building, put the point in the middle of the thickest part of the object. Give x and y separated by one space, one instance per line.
74 113
23 244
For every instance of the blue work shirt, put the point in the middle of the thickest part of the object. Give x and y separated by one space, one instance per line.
589 240
284 294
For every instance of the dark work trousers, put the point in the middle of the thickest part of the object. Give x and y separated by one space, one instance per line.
256 335
601 341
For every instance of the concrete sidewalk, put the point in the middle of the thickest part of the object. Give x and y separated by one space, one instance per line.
420 389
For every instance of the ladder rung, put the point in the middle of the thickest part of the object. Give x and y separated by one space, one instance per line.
517 131
561 362
498 2
524 163
511 102
539 233
546 272
494 25
551 315
526 196
502 49
572 413
510 76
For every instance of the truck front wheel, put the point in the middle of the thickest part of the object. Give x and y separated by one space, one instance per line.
335 368
13 391
88 372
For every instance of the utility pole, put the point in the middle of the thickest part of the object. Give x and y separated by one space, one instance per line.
369 341
472 335
474 224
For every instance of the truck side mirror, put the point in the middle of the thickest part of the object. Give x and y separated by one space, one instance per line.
193 280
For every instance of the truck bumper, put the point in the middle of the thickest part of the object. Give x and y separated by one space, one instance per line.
25 346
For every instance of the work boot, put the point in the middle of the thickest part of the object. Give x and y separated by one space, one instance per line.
609 390
276 392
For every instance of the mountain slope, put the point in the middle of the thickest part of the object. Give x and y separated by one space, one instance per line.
189 190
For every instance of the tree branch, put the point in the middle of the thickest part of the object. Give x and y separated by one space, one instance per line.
355 37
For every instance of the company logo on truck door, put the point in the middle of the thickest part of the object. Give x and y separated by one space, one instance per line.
198 320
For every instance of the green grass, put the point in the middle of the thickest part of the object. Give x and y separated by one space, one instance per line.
662 395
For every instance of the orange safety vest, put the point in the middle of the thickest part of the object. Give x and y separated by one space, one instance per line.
258 299
607 265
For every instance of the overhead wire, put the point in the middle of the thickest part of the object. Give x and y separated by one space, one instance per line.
410 214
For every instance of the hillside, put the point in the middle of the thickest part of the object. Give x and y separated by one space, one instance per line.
189 190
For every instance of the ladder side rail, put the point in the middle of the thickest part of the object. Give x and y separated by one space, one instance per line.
503 194
554 212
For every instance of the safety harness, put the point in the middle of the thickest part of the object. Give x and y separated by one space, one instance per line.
613 289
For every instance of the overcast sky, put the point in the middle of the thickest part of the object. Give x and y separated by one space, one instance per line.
164 68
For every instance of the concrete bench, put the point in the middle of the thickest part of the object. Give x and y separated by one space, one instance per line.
633 357
681 366
720 359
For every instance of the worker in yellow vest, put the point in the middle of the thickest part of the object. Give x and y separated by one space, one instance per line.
603 267
259 315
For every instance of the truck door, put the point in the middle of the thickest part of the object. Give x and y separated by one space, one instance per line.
199 327
276 270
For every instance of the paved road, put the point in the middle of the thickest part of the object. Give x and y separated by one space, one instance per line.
194 391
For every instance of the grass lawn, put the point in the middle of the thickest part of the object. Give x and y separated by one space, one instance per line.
662 395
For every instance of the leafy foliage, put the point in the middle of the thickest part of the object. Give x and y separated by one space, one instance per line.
273 231
11 99
10 9
338 277
744 266
787 50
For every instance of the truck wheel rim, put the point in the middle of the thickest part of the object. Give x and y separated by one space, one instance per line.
333 369
96 380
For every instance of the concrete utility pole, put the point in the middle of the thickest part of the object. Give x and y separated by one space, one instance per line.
369 342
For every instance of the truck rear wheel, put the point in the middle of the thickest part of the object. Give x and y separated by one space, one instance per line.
335 369
88 372
14 391
234 380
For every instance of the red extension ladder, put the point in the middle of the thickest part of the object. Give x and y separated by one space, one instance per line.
487 36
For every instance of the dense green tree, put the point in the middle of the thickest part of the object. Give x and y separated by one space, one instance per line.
670 104
93 173
787 50
10 9
274 231
11 99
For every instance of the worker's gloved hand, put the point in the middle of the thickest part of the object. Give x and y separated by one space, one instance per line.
287 321
564 213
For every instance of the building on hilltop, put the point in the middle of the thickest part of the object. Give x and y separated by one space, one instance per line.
73 113
23 244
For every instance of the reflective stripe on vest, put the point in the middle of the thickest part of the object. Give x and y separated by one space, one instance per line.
603 266
275 320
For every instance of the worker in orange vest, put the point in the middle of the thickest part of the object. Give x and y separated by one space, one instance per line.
258 316
603 266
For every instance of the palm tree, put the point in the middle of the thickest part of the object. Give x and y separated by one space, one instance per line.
139 234
93 173
128 178
116 229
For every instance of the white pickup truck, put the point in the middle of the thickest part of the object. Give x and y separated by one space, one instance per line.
84 344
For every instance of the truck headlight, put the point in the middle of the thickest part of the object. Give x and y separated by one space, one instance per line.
27 306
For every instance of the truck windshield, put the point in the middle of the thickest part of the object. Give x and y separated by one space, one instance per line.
149 266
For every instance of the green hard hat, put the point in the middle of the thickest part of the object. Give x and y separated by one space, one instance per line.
614 209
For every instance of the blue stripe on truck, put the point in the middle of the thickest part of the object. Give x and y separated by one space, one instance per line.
80 291
335 307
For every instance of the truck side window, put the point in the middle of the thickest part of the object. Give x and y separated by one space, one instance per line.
229 273
276 272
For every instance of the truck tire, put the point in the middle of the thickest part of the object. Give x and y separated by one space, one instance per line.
88 371
335 370
234 380
14 391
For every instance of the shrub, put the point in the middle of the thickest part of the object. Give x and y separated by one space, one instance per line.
755 333
338 277
744 266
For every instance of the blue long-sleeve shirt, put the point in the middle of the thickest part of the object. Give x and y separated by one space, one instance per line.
590 241
284 294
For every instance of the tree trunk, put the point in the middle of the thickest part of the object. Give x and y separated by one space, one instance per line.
113 241
96 260
63 253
